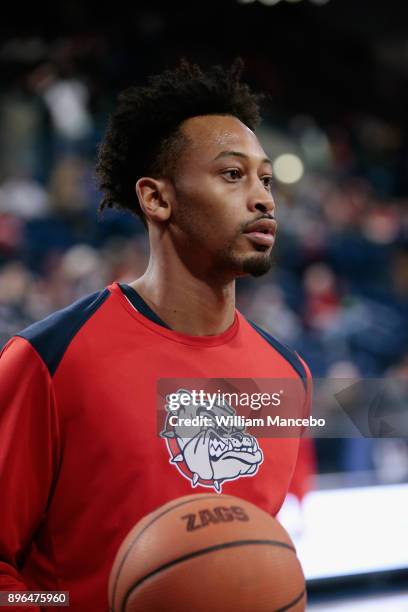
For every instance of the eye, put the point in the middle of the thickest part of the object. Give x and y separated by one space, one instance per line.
233 174
267 181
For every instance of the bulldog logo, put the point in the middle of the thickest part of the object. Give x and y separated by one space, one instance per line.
210 453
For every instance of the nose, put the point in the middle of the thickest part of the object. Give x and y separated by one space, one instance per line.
261 200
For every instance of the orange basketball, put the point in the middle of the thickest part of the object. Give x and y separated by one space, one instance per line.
207 553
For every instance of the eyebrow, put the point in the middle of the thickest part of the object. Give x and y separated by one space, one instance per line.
239 154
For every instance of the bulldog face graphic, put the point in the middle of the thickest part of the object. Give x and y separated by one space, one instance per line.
211 453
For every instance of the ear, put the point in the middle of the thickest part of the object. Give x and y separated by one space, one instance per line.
154 198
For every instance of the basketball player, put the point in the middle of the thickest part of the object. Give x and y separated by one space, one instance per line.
81 459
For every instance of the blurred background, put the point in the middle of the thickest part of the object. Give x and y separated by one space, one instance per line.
336 126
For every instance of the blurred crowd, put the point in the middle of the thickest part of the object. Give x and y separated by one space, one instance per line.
338 291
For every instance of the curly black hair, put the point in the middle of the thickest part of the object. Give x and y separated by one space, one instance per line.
143 136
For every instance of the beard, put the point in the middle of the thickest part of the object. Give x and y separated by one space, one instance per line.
227 261
257 265
254 264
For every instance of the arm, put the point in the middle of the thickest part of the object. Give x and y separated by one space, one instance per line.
307 406
302 479
28 455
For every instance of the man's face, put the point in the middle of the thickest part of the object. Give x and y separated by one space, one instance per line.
223 210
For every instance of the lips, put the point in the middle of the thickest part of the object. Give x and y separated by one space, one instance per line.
262 232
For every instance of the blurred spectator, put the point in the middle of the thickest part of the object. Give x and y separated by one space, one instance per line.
338 292
23 197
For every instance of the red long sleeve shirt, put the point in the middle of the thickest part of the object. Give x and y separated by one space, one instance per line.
81 460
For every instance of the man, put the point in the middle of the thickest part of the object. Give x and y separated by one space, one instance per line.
81 459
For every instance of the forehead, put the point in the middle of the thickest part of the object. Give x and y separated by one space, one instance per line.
209 135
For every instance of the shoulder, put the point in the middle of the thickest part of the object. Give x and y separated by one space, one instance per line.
289 354
51 336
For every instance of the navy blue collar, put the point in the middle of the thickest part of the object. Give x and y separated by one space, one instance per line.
138 302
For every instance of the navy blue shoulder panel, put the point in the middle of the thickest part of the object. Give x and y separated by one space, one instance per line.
285 351
51 336
140 305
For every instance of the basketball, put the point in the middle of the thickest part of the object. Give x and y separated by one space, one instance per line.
207 552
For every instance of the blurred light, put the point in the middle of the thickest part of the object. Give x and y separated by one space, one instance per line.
314 145
337 528
320 2
269 2
67 103
288 168
246 1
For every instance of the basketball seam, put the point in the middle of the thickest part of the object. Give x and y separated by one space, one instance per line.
204 551
176 505
292 603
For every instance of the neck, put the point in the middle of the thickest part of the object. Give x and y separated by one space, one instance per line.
186 303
